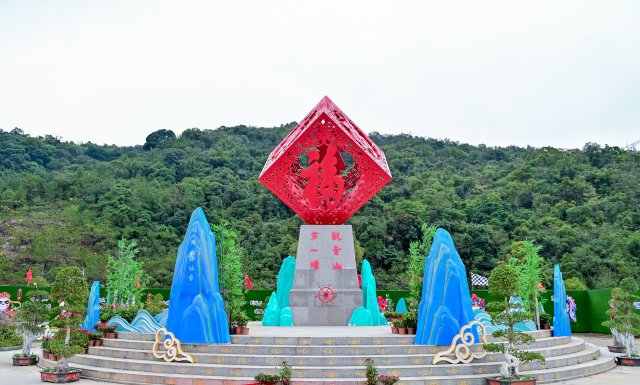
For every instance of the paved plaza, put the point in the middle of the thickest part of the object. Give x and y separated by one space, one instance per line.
13 375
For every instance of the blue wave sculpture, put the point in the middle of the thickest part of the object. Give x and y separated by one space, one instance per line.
445 305
142 323
561 322
93 308
485 319
278 312
196 308
162 317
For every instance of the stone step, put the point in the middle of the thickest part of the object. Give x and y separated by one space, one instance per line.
316 349
382 339
574 346
139 377
311 369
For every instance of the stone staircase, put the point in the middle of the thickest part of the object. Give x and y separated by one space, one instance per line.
325 360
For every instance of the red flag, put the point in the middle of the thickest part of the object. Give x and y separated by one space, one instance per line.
247 281
29 275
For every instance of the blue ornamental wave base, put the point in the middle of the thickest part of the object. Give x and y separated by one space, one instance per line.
561 323
446 303
93 308
142 323
196 308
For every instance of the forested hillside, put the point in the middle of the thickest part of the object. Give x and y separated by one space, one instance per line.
64 203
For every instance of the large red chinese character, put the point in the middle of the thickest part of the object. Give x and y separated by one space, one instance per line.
326 168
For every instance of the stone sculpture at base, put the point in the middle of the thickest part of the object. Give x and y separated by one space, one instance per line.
561 322
446 303
325 288
196 308
93 308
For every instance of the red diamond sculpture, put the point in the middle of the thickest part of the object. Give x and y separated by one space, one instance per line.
326 168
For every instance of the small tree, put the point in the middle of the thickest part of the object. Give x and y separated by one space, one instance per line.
625 318
71 292
31 316
417 255
503 282
231 277
525 260
125 277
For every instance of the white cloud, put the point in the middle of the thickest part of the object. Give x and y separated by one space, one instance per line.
500 73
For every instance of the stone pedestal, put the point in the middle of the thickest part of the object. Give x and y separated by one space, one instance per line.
325 287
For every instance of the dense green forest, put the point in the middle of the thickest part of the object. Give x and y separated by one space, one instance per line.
63 203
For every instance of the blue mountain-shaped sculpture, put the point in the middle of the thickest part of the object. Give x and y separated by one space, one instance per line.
446 303
196 308
93 308
561 323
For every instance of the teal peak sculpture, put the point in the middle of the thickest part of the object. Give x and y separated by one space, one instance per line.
401 306
93 308
196 308
369 313
561 321
278 312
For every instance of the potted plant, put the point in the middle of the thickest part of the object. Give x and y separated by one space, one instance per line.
545 321
388 379
394 326
285 373
95 339
503 283
625 320
410 321
242 321
29 320
108 331
371 371
267 379
71 292
402 326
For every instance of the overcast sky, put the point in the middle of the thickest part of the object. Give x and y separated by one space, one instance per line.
539 73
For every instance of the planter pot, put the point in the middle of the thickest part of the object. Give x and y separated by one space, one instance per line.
493 381
237 330
232 331
245 331
402 330
97 343
545 326
111 335
394 330
411 330
628 361
25 361
617 349
61 378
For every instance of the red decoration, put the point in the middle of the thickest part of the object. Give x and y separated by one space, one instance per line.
314 264
29 275
337 266
247 281
326 295
308 172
